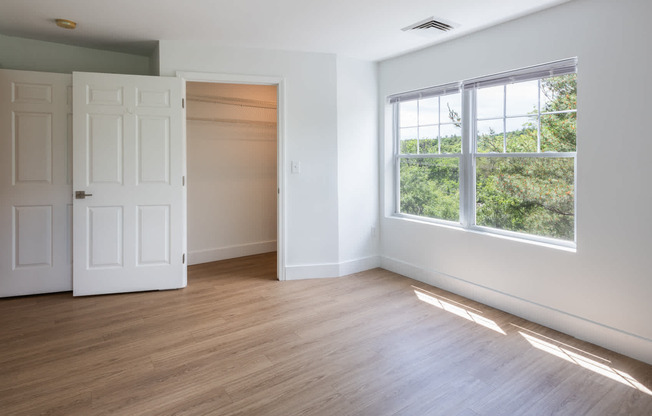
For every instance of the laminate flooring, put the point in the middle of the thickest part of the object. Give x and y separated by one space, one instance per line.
238 342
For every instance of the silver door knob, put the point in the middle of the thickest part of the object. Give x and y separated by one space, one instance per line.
81 194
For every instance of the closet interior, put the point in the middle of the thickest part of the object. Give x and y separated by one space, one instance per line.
231 132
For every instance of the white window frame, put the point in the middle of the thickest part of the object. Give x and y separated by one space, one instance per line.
439 91
469 155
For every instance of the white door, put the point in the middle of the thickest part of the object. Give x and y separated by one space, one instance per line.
129 161
35 183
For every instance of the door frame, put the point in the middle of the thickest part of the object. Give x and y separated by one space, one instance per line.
280 144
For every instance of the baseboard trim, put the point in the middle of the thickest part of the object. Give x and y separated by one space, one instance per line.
317 271
359 265
230 252
605 336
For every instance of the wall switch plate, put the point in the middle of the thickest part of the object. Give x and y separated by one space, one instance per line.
296 167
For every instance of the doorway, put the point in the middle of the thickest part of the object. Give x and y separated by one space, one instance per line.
234 192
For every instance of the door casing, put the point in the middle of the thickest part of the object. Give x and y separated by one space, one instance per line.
280 147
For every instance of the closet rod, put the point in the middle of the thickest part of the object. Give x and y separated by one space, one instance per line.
241 102
234 121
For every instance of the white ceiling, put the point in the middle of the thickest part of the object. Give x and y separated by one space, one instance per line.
364 29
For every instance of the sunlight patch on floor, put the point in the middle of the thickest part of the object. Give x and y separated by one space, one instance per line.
585 362
460 311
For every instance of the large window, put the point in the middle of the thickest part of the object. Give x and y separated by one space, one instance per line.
495 153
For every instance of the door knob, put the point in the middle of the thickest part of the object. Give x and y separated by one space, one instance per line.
81 194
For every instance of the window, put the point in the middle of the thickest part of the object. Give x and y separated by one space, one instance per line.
495 153
430 150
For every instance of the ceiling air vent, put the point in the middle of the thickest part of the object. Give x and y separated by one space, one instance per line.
431 24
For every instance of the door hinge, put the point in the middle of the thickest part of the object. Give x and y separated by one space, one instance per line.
183 258
183 181
183 103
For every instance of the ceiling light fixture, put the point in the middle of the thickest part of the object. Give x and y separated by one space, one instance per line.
66 24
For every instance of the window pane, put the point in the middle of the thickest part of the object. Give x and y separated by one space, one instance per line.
522 134
407 114
558 132
559 93
430 188
428 142
408 140
528 195
451 138
450 108
429 111
490 102
522 98
490 136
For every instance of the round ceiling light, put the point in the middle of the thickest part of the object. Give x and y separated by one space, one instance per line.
66 24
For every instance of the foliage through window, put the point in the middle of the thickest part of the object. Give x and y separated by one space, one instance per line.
495 153
430 144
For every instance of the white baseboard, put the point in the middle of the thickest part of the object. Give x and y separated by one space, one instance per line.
230 252
312 271
315 271
359 265
611 338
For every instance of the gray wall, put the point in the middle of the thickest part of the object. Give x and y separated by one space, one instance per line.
35 55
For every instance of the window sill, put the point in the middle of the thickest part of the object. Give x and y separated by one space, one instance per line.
569 247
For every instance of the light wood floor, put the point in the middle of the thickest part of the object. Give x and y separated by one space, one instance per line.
237 342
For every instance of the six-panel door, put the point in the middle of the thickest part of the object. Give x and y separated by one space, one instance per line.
129 155
35 182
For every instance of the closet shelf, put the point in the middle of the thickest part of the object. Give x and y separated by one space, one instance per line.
234 121
241 102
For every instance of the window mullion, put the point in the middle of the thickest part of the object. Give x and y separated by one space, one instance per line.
397 151
418 126
439 125
505 118
539 116
467 170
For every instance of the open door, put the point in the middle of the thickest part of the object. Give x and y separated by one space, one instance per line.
35 183
129 210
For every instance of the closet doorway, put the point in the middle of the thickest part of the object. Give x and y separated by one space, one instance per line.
234 192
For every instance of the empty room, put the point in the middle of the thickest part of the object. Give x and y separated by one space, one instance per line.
325 208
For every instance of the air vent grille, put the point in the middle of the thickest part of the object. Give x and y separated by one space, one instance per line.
431 23
434 24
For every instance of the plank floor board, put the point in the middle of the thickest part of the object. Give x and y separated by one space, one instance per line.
238 342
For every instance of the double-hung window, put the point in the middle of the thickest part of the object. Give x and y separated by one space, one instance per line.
496 153
429 151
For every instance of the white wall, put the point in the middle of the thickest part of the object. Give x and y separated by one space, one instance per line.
310 138
231 159
357 131
35 55
331 129
601 292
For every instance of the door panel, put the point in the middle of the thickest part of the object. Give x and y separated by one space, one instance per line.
32 236
104 144
153 235
32 143
35 191
105 237
153 137
129 154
